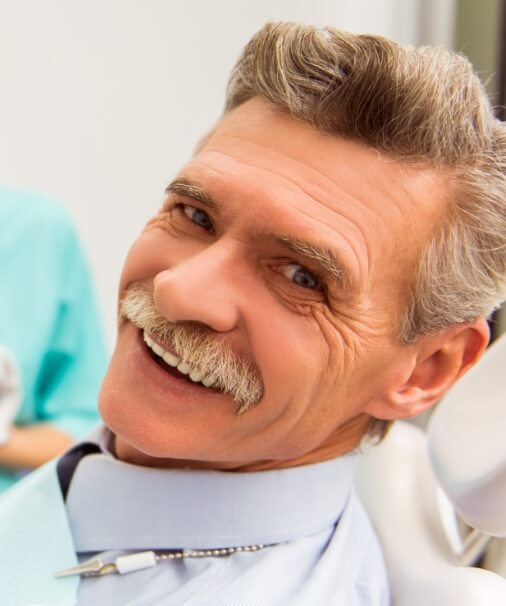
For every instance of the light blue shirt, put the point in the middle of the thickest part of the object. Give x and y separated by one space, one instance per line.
48 317
322 550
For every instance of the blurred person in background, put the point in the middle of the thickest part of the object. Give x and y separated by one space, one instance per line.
52 353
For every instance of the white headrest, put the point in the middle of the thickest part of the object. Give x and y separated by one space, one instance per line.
467 443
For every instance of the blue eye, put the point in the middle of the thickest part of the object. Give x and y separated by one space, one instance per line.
302 277
198 216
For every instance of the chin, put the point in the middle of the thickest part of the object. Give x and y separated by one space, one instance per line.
143 436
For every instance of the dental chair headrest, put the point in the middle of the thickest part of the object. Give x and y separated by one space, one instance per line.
467 443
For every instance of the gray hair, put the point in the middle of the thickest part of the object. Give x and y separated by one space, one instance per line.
424 106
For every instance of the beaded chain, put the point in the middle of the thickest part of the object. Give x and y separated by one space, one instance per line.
147 559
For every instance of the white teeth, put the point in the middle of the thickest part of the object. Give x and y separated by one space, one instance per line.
159 351
172 360
168 357
196 376
184 368
207 382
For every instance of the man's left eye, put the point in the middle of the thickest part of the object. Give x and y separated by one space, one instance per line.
198 216
302 277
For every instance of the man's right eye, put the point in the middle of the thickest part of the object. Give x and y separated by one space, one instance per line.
301 276
197 216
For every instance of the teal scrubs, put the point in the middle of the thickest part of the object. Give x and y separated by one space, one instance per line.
48 316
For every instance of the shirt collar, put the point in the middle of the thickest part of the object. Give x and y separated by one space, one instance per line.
115 505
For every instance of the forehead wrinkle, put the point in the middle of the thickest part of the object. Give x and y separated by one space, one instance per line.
319 195
324 192
401 201
379 181
326 196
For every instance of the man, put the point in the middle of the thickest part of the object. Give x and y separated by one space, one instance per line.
322 266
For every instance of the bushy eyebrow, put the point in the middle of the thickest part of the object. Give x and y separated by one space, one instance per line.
186 188
325 258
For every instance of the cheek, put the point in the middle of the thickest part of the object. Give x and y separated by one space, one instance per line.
353 337
153 252
339 342
291 353
140 262
352 363
363 358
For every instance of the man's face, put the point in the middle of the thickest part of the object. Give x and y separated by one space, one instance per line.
292 251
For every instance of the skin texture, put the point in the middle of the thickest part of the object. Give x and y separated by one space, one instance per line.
327 355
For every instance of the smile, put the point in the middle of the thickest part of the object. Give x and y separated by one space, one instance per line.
174 361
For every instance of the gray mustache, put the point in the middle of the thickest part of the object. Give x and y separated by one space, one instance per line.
198 347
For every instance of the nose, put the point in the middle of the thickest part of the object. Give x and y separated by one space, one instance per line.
200 289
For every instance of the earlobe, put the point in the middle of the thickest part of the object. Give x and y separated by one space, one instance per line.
437 362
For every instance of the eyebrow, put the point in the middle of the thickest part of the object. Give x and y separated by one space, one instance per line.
322 256
325 258
186 188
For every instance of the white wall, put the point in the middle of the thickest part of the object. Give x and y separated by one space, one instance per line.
101 101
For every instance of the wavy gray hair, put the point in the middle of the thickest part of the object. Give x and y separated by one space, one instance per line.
424 106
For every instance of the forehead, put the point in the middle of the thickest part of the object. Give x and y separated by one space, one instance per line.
281 173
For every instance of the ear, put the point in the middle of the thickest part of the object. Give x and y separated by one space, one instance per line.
436 363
